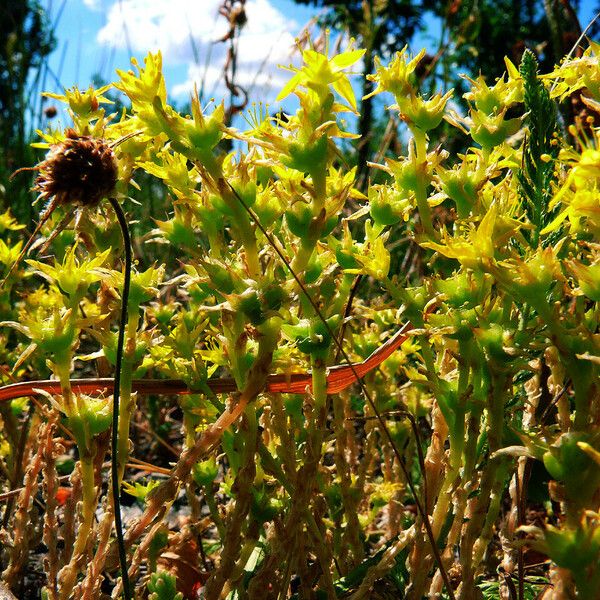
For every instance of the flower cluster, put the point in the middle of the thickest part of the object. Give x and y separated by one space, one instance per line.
268 267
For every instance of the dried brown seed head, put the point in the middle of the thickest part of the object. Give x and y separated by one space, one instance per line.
77 172
50 111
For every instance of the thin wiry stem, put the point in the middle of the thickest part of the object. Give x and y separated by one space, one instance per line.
116 397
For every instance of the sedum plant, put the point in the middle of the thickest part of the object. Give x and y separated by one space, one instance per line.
348 428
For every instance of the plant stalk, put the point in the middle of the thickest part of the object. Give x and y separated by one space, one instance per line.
116 397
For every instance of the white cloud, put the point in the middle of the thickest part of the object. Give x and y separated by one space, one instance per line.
185 30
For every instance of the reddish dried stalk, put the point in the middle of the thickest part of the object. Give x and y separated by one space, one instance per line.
339 378
50 484
22 521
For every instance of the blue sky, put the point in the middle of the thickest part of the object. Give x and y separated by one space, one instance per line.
99 36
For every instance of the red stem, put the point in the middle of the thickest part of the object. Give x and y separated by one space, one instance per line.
339 377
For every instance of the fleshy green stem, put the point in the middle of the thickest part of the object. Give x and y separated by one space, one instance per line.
422 182
63 370
125 410
126 403
88 505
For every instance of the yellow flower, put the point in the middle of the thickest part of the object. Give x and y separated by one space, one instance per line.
492 100
319 72
9 223
474 249
423 114
580 192
397 77
72 276
582 72
146 86
373 256
84 104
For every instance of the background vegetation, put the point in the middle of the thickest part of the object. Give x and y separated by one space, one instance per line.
465 465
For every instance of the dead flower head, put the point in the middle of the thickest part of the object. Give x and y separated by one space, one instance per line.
79 171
